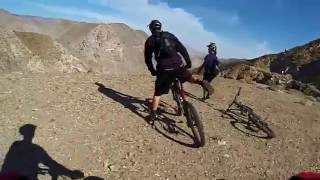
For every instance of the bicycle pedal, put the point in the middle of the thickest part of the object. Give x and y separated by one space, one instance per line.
191 124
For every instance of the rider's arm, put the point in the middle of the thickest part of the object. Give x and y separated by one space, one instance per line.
53 165
218 64
57 168
183 51
219 68
148 56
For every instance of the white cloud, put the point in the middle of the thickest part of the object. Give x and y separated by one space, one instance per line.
216 15
187 27
81 13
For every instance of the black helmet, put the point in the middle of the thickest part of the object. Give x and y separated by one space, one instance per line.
212 46
155 25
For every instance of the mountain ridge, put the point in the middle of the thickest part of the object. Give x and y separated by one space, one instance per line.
112 48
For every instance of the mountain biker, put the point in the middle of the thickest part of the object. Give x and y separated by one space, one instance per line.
210 66
165 47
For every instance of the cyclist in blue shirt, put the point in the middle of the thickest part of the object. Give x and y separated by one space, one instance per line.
211 68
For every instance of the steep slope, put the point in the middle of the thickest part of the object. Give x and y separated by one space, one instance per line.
13 54
52 27
33 52
301 62
108 48
293 58
103 48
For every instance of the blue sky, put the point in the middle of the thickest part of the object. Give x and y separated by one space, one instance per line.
241 28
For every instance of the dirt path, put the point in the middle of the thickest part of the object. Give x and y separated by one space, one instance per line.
103 131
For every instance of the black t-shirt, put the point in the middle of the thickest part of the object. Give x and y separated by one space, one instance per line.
165 48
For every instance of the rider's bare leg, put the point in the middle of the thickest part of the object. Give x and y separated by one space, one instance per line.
204 93
155 103
195 80
205 84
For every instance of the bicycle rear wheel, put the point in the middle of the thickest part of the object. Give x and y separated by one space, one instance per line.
263 126
194 122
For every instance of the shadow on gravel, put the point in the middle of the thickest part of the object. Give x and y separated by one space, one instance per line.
168 127
201 100
93 178
238 121
26 160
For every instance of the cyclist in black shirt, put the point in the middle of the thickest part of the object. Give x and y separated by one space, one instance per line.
165 47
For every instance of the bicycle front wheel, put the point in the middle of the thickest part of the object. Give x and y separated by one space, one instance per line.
265 128
194 122
177 99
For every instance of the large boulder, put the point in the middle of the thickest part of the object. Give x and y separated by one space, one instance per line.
279 79
247 73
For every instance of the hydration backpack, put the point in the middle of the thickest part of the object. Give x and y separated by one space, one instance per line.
167 46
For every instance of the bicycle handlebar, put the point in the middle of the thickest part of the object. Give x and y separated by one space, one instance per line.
238 93
236 96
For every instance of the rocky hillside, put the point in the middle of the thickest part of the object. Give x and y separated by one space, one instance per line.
33 52
302 63
108 48
292 58
101 48
52 27
53 124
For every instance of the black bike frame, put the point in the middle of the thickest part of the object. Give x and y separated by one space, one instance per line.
179 86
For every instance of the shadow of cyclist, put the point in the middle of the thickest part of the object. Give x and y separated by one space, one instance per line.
141 107
24 158
192 96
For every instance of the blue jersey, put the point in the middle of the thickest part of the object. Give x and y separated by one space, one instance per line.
210 63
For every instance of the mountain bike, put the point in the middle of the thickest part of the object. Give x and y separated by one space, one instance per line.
252 117
189 111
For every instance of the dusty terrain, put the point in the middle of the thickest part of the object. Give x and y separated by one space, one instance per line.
98 124
103 132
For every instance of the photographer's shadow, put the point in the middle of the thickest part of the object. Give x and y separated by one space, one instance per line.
24 158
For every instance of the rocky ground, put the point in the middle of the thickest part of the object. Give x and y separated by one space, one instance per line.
103 131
